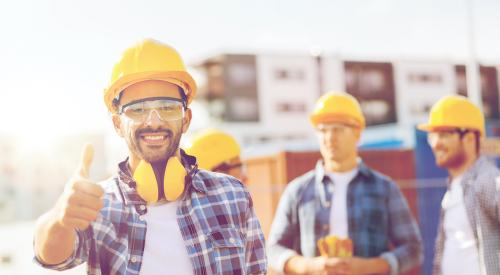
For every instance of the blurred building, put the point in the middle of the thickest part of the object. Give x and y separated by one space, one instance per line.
267 97
251 94
9 179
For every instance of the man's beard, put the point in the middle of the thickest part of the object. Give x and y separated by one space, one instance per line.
160 155
454 160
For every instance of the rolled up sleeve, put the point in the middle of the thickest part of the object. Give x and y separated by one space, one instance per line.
79 255
284 233
404 234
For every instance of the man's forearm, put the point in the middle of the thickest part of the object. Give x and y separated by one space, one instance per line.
53 242
295 265
373 266
303 265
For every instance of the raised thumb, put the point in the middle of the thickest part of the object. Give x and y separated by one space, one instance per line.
86 160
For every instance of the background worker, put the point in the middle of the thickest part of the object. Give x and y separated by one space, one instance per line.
345 198
468 239
158 214
218 152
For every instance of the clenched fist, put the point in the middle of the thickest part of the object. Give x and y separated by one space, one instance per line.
82 199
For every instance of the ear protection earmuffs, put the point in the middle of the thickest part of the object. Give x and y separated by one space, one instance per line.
148 185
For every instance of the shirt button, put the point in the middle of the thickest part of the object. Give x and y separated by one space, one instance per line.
232 240
133 259
142 207
141 218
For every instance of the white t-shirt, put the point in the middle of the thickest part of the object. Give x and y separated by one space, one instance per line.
460 255
164 250
338 212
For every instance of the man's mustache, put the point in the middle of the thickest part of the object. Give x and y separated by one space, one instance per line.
166 132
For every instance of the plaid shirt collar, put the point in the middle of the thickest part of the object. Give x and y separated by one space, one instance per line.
471 174
127 184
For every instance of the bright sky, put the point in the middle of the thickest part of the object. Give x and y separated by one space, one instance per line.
56 56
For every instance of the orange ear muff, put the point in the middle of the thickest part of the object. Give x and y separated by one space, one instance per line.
145 180
173 181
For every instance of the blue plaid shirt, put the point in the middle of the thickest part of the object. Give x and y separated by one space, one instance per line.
379 220
481 189
215 216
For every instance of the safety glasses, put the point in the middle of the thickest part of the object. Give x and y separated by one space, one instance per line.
166 108
434 136
336 128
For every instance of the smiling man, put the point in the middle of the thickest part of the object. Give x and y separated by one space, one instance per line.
345 198
159 214
468 239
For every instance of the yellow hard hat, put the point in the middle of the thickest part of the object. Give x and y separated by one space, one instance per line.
148 60
212 148
337 107
454 112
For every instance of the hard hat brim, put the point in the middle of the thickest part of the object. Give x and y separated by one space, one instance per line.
335 118
424 127
431 128
114 90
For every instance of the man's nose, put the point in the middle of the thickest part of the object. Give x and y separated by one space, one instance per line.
153 118
330 135
243 176
436 143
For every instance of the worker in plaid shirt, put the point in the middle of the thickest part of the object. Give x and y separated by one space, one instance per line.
159 214
468 240
345 198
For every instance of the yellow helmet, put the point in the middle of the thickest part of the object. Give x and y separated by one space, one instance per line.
212 148
337 107
454 112
146 60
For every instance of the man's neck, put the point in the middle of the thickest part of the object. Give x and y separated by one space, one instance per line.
341 166
132 164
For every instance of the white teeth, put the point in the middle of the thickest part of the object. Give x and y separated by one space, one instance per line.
154 137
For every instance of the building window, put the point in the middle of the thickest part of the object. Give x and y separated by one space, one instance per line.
372 84
289 74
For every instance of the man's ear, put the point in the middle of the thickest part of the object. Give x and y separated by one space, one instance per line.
117 122
186 121
357 133
470 138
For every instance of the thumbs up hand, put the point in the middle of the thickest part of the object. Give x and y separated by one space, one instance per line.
82 199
